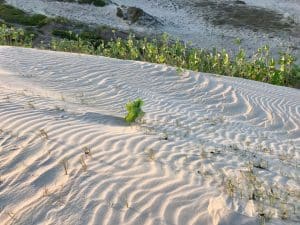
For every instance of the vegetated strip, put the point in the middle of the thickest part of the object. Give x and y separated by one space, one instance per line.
261 66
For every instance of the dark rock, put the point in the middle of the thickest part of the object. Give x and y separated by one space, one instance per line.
134 14
137 15
240 2
120 12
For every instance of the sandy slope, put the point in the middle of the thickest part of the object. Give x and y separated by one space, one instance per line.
55 106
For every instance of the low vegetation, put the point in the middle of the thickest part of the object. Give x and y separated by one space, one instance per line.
15 36
11 14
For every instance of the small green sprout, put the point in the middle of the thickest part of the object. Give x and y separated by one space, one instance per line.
134 110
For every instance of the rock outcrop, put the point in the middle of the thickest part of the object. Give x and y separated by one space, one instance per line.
137 15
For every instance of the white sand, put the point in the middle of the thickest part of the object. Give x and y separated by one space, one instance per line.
53 105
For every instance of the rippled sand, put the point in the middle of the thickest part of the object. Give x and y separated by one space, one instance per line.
66 110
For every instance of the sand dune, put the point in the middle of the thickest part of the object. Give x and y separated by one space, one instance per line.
67 109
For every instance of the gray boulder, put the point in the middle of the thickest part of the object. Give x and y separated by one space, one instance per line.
137 15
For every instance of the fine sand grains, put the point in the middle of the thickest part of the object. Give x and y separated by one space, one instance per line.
210 150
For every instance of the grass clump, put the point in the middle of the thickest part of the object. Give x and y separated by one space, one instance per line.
78 46
15 37
11 14
134 110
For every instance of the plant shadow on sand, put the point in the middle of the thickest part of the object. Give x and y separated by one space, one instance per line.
90 117
103 119
240 15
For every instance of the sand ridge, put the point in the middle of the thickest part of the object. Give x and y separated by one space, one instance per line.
62 109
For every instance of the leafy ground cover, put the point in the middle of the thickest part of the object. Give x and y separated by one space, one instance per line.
11 14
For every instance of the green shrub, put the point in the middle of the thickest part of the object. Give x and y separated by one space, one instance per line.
15 37
134 110
64 34
78 46
11 14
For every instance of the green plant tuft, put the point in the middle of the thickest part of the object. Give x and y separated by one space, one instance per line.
134 110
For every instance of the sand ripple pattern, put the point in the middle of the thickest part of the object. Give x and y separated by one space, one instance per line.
65 110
